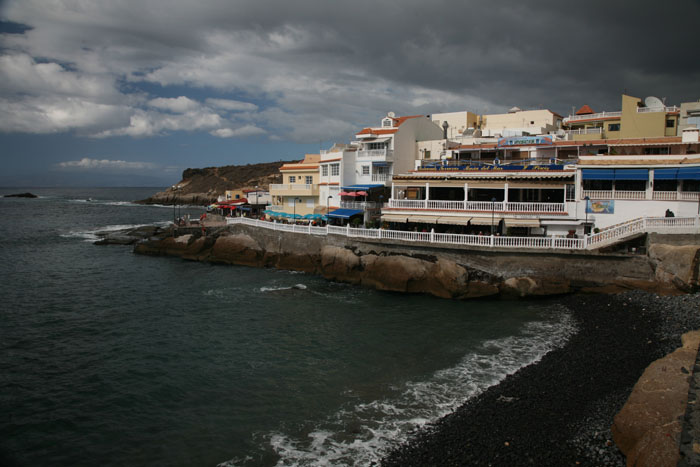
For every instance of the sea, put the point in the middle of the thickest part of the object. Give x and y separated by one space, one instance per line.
112 358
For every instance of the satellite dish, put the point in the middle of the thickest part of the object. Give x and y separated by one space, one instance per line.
653 102
391 115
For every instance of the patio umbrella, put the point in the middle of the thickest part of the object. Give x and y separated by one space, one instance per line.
361 193
344 193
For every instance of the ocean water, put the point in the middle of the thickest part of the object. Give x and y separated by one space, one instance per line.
111 358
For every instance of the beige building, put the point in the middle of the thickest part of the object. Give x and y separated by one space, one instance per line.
457 122
298 192
520 123
637 119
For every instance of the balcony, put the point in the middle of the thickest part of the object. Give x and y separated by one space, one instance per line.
597 116
614 194
671 109
484 206
586 131
294 189
381 177
375 154
676 196
364 205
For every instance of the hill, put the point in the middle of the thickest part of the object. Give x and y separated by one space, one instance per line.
203 186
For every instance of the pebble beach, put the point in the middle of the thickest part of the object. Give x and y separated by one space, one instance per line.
559 411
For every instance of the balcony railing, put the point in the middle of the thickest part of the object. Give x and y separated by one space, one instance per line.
487 206
294 188
358 205
375 154
381 177
599 115
610 194
673 108
586 131
676 196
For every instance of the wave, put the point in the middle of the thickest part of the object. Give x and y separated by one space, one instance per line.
94 234
381 425
277 289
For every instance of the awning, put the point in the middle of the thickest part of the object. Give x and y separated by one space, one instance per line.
360 187
682 173
344 213
522 222
615 174
380 164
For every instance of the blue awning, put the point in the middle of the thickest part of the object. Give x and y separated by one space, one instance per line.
665 174
344 213
631 174
689 173
598 174
360 187
682 173
615 174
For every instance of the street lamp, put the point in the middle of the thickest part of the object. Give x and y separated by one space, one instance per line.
493 207
328 209
256 200
585 226
294 216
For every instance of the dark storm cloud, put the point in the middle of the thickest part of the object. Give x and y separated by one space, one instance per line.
324 68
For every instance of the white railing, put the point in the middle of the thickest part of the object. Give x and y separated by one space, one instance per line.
375 154
586 131
498 206
292 186
672 108
606 237
665 195
574 118
689 195
630 194
358 204
381 177
597 194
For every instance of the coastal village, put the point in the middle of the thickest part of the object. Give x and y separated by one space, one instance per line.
528 174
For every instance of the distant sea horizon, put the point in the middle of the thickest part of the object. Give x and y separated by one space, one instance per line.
112 358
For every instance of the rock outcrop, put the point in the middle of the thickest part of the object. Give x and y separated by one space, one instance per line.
442 272
22 195
648 428
677 264
203 186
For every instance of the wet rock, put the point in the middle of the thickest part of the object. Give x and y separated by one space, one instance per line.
22 195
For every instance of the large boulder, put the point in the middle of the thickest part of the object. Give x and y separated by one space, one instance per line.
340 264
676 264
648 428
237 249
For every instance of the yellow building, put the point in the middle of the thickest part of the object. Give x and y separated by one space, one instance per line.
637 119
298 192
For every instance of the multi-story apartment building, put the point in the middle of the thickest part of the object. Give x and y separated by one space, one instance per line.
637 119
297 195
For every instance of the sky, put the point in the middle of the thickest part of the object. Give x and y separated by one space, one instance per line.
132 92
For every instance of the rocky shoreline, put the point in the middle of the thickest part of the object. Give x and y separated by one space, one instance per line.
560 410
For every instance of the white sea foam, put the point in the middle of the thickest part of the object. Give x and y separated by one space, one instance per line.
381 425
92 235
277 289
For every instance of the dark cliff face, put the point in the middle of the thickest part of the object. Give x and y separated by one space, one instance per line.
203 186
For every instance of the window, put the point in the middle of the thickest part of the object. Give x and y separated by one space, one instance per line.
387 123
309 179
376 145
570 192
324 170
670 123
365 170
310 203
335 170
613 127
427 154
292 179
655 151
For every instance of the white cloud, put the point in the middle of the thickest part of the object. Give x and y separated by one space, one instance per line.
104 165
180 104
231 105
247 130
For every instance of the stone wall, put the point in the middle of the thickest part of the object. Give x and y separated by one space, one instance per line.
449 272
